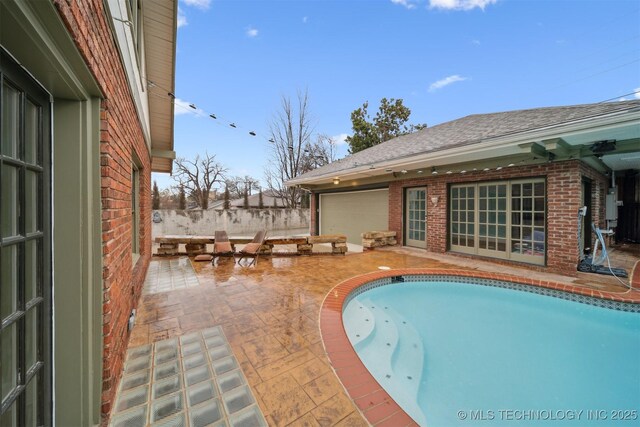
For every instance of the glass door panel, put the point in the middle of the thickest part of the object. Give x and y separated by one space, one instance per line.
492 219
25 244
416 217
528 221
463 218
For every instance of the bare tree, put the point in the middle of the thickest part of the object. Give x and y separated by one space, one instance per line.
169 198
238 184
198 177
290 132
319 153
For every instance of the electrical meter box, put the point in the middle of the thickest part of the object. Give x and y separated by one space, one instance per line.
611 207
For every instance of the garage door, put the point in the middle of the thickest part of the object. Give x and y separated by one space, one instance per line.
354 212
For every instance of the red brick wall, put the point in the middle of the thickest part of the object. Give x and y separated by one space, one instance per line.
564 198
121 135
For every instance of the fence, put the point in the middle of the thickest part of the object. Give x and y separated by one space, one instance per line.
237 222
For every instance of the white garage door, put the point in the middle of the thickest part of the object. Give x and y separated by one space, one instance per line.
354 212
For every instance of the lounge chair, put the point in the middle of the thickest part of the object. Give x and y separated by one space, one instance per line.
221 246
252 250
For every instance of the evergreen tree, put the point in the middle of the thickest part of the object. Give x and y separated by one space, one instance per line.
155 198
182 199
245 202
389 122
227 203
260 201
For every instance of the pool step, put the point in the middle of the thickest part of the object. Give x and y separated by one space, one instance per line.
362 323
407 362
380 344
390 347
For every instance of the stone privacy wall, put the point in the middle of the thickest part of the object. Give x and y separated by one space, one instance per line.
121 140
236 222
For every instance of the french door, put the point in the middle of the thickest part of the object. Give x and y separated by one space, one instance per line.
504 219
25 248
416 217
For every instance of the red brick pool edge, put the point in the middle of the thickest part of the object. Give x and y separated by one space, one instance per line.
372 400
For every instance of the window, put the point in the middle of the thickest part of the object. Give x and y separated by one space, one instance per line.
25 277
503 219
135 211
135 19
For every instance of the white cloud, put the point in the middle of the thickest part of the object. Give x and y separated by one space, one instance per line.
446 82
409 4
252 32
183 107
305 19
460 4
182 18
200 4
476 42
340 139
636 95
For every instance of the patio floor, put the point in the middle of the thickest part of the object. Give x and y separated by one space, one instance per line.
270 316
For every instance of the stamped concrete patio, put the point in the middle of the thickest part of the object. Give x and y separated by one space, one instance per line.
269 314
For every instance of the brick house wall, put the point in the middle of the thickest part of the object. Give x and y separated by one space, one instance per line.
313 208
564 198
121 135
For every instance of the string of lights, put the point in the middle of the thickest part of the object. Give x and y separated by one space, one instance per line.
193 108
435 171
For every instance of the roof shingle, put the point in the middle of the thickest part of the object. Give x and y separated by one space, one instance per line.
471 130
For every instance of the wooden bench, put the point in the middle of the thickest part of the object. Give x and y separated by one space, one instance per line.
197 245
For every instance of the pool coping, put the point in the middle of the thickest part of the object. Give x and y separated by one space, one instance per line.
373 402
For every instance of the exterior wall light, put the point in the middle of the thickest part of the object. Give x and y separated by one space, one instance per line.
336 180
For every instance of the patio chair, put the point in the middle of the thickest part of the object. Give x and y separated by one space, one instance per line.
252 249
221 246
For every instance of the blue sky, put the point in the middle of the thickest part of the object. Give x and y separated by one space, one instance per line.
445 58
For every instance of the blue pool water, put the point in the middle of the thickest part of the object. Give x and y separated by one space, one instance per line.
465 354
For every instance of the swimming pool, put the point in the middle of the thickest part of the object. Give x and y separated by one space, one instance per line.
455 353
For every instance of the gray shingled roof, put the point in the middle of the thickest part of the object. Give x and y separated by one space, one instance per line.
471 130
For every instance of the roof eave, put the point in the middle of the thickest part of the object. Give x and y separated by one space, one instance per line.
160 25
